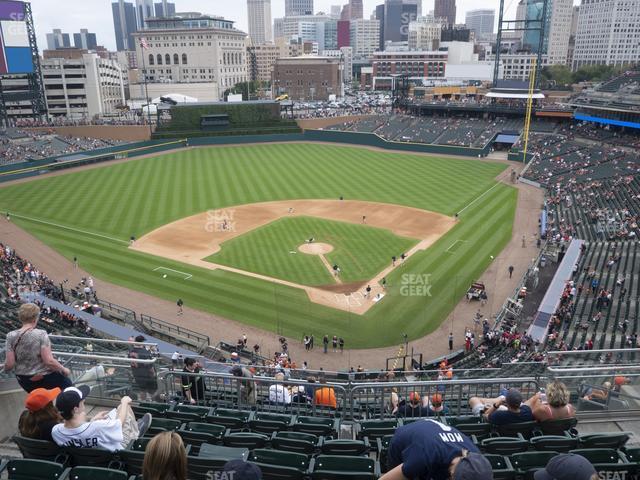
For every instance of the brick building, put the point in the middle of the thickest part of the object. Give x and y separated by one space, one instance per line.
307 78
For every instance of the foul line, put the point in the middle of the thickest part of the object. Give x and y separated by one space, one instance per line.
77 230
187 276
482 195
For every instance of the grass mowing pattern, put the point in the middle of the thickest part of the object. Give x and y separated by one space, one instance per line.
135 197
361 251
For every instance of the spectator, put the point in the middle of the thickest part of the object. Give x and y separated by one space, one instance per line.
40 415
193 386
278 392
325 395
412 408
555 407
241 470
112 430
247 391
144 374
598 394
435 405
515 411
430 450
165 458
29 353
567 466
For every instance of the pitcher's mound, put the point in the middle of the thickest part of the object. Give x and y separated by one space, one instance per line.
316 248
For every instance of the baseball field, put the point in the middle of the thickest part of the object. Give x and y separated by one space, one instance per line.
202 234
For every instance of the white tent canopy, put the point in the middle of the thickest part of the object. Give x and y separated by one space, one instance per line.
176 97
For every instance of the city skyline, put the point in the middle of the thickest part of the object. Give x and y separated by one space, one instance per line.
96 15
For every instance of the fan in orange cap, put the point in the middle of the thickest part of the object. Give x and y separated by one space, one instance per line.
40 415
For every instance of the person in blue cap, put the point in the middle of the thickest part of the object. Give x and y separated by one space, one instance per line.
568 466
430 450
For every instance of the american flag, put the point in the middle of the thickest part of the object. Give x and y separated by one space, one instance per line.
143 44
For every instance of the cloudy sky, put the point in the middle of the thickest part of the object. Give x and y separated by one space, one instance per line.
72 15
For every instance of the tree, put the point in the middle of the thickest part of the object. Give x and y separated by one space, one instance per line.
557 75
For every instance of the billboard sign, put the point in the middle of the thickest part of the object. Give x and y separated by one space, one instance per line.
15 47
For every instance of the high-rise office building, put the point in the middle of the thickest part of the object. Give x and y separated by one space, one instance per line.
557 29
397 17
607 33
294 8
259 15
355 9
445 9
57 39
124 24
145 9
165 9
365 35
85 40
481 22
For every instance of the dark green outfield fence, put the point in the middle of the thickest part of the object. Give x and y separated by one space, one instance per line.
39 167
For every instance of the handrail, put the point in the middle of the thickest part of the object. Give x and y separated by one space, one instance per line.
162 324
105 357
103 340
586 352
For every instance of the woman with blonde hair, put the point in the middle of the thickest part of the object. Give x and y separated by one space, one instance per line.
555 406
165 458
29 354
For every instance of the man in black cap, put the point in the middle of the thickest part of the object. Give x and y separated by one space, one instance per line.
239 469
506 409
112 430
567 466
430 450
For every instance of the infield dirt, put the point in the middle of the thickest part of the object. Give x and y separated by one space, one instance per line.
192 239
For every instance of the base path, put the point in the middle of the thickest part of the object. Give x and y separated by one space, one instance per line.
193 239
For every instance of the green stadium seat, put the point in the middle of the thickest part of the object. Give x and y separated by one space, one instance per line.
527 462
514 429
554 443
603 440
339 467
132 460
326 427
196 433
245 440
232 419
31 469
184 416
501 466
298 442
373 429
159 425
160 407
479 430
201 468
96 473
604 458
632 454
557 427
200 411
40 449
465 419
382 445
268 423
92 457
347 447
139 411
504 445
271 462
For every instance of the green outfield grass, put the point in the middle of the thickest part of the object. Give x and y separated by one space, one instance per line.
360 251
91 214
